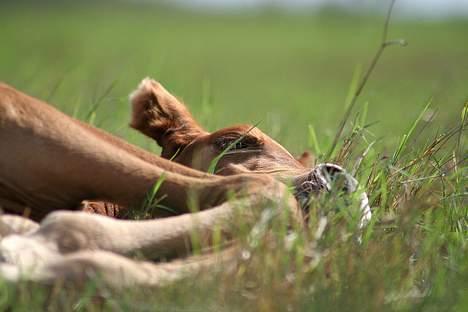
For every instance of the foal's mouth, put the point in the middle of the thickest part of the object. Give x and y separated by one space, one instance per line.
330 178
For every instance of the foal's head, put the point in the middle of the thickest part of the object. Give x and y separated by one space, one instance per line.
235 149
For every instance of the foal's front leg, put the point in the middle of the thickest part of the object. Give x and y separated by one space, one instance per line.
34 254
120 272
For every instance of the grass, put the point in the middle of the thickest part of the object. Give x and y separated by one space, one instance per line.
293 74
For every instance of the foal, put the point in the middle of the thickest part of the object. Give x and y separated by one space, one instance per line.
49 161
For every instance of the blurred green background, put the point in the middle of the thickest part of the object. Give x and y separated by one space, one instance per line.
286 71
289 71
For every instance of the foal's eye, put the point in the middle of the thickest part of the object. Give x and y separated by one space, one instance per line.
240 145
236 143
230 143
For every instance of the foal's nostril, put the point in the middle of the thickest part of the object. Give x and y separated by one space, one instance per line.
337 178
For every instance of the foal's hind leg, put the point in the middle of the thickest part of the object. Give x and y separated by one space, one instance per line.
49 161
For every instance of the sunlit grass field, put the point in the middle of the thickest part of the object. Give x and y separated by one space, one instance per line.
291 74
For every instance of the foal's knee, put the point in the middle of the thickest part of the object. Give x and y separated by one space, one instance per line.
71 231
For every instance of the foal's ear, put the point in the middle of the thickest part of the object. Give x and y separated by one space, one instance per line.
306 159
159 115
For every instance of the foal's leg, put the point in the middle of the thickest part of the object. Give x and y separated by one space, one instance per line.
64 232
49 161
119 272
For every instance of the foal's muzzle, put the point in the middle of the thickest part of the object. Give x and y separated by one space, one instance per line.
328 178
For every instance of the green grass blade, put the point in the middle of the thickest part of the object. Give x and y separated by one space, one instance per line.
313 141
404 140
